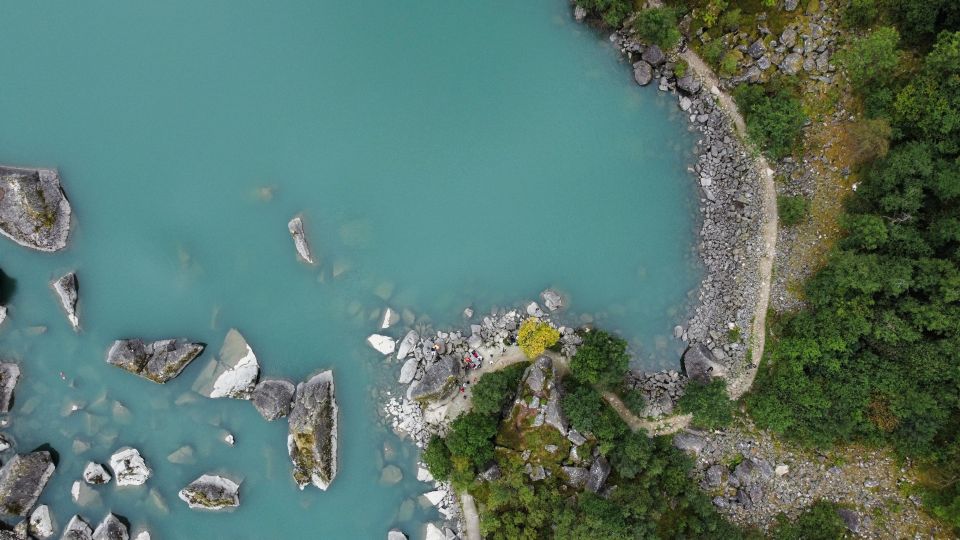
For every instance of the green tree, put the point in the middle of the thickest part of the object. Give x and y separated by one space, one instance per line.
860 13
436 456
819 521
632 455
613 12
658 26
471 436
496 389
589 413
871 59
774 121
709 403
601 359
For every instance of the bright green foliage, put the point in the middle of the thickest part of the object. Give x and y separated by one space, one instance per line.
729 62
774 121
534 337
496 389
613 12
709 403
818 522
658 26
601 359
471 436
791 209
929 107
437 458
873 58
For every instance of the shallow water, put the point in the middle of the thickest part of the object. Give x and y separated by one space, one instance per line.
443 154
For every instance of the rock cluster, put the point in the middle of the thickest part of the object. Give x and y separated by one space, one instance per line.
234 373
67 291
22 479
541 393
312 442
158 361
34 211
660 390
211 492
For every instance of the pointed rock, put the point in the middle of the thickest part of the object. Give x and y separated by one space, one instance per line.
34 212
390 318
41 522
111 528
95 474
273 398
295 226
407 345
22 479
77 529
234 373
67 291
158 361
210 492
312 442
129 467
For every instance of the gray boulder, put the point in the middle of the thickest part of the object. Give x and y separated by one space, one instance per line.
41 522
295 226
66 288
789 37
552 300
850 518
273 398
77 529
234 373
111 528
408 371
407 344
438 380
790 5
9 375
752 469
95 473
576 477
211 492
22 479
689 442
34 211
698 364
792 64
312 441
690 85
653 55
535 377
599 472
714 475
158 361
756 49
642 73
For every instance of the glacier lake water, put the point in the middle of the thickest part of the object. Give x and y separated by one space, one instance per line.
443 155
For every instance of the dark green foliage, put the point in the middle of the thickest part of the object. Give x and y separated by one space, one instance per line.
589 413
632 454
773 120
471 436
920 20
634 401
709 403
818 522
659 26
496 389
601 359
613 12
929 106
860 13
437 458
791 209
870 60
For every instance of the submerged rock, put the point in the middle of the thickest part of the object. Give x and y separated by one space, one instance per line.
41 522
312 442
551 299
129 467
84 495
111 528
437 382
34 211
158 361
273 398
384 345
66 288
390 318
77 529
22 479
210 492
234 373
95 474
295 226
9 375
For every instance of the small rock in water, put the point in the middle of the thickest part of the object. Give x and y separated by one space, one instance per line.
129 467
111 528
273 398
390 318
5 443
210 492
9 375
385 345
295 226
84 495
552 299
182 456
41 522
229 439
66 289
158 361
391 474
396 534
95 474
234 373
77 529
34 211
468 313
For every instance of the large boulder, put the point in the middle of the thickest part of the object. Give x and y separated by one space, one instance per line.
653 55
210 492
9 375
312 442
689 84
698 364
129 467
66 288
295 226
689 442
552 300
158 361
77 529
599 472
41 522
273 398
438 380
234 373
384 345
111 528
22 479
407 345
642 73
408 371
576 477
34 211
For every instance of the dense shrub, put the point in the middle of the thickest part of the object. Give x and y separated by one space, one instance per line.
709 403
791 209
471 436
496 389
818 522
659 26
871 63
921 20
589 413
535 336
613 12
773 120
436 456
860 13
601 359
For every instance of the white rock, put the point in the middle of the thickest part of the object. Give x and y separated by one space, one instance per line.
229 439
407 345
142 535
782 470
84 495
3 314
41 522
390 318
295 226
434 533
435 497
468 313
94 474
78 529
408 371
234 373
385 345
533 309
423 475
66 289
129 468
395 534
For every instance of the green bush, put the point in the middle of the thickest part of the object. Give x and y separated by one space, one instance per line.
496 389
729 62
870 60
601 359
589 413
820 521
791 209
659 26
634 401
713 53
471 436
860 13
613 12
436 456
709 403
774 121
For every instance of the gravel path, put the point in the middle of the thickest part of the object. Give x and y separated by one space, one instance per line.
471 518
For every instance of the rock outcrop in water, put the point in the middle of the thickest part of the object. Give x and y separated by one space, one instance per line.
34 211
67 291
384 345
9 375
312 442
699 365
158 361
295 226
273 398
22 479
210 492
41 522
95 474
129 467
77 529
111 528
234 373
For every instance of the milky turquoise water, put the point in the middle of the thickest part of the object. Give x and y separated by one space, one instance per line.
444 154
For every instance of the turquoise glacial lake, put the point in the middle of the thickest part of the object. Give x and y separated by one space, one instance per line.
443 154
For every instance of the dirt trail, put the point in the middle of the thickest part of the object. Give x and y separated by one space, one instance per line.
471 518
661 426
768 227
